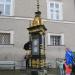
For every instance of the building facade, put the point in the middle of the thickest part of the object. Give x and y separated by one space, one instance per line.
17 15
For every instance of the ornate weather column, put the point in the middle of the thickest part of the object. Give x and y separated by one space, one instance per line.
37 39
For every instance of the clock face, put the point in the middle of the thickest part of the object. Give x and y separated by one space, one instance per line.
35 47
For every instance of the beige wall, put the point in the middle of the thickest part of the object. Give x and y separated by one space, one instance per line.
25 9
20 38
69 10
69 34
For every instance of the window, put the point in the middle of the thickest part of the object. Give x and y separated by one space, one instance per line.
55 39
6 37
54 10
6 7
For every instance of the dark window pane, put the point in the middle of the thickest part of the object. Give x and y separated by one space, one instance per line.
57 16
7 10
4 38
57 11
55 40
51 5
51 10
56 5
8 0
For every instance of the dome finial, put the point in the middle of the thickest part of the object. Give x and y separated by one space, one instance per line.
37 20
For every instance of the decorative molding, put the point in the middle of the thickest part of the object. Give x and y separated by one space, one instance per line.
31 18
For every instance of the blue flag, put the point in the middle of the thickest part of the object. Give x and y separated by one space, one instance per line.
69 56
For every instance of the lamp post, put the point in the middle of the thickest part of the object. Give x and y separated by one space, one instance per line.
37 38
37 43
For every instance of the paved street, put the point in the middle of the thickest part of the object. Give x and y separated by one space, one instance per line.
51 74
19 72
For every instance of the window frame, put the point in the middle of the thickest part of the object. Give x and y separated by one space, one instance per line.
11 37
11 8
61 41
60 10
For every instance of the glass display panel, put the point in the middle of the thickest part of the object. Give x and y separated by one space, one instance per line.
35 46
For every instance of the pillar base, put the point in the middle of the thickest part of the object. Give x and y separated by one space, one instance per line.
38 72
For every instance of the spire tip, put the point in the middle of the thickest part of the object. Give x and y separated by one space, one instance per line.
38 5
